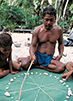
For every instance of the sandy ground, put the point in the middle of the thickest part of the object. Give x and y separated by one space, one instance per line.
21 39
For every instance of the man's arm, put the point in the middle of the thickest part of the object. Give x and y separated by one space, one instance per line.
33 45
60 45
10 63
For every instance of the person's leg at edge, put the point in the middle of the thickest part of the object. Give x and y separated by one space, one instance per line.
69 66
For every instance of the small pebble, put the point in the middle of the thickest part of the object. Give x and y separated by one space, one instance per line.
45 73
61 81
14 77
26 74
39 73
54 76
57 78
50 75
64 84
7 94
9 83
67 85
11 80
36 72
67 97
11 97
31 72
7 87
18 76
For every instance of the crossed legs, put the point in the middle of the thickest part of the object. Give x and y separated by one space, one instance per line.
54 66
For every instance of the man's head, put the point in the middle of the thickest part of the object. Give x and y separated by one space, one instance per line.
5 42
49 16
49 10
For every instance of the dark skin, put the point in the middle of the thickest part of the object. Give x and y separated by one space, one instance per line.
69 67
46 36
6 63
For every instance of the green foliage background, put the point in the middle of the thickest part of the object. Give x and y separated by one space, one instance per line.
27 14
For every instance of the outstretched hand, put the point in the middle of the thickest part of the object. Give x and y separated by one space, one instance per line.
67 75
58 57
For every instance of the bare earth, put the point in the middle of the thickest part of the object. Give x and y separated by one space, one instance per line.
21 39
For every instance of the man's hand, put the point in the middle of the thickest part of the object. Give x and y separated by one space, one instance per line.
33 57
58 57
67 75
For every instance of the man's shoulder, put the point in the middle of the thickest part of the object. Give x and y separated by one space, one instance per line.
37 29
57 27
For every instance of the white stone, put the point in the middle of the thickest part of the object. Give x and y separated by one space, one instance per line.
18 76
61 81
31 72
7 94
9 83
39 73
11 97
67 85
36 72
54 76
67 97
69 91
64 84
11 80
57 78
7 87
14 77
26 74
50 75
45 73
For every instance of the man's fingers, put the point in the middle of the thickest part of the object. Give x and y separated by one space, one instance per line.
67 77
63 75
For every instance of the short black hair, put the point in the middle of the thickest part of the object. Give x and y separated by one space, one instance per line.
49 10
5 40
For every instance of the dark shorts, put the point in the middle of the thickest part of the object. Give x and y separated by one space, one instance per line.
43 59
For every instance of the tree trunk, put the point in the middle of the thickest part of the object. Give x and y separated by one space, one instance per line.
65 10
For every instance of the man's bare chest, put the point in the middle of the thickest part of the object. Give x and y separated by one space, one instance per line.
48 37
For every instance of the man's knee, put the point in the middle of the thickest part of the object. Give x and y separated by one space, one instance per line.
25 63
61 68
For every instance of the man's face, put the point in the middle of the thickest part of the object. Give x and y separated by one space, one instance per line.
5 50
48 21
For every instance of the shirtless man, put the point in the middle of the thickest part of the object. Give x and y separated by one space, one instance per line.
69 67
6 63
43 44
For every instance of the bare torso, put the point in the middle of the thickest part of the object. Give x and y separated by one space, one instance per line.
47 39
3 59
